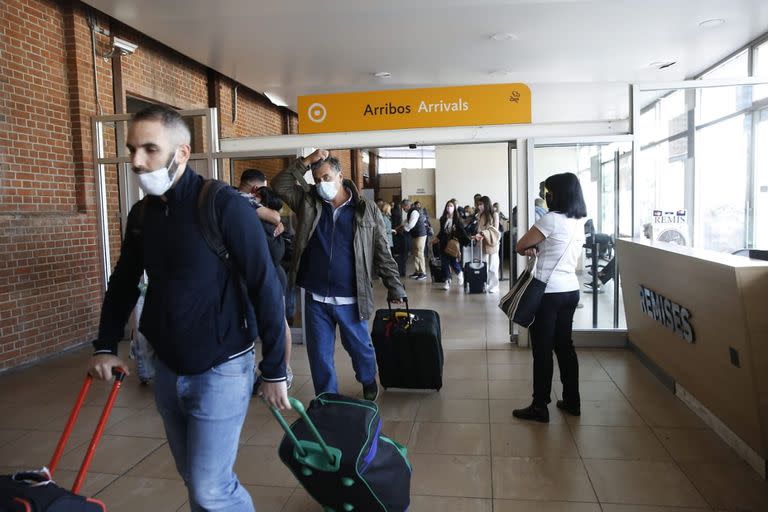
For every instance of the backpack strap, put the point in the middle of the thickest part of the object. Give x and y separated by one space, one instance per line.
210 228
208 219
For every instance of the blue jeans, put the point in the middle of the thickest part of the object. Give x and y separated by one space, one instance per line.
322 320
203 415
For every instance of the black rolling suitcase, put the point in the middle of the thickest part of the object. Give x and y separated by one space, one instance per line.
409 352
36 491
337 452
436 265
475 270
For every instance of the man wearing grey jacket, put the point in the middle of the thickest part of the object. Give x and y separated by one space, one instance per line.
340 243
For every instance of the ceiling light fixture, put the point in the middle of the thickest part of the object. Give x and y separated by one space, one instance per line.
383 74
662 64
711 23
504 36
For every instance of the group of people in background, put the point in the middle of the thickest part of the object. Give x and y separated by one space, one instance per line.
411 233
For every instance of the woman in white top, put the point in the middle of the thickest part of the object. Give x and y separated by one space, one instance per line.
488 232
557 239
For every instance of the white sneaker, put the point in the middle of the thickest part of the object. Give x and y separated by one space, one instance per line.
460 278
493 290
447 285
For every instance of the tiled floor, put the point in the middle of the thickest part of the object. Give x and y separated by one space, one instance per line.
636 448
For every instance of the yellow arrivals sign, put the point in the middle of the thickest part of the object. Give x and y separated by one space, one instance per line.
470 105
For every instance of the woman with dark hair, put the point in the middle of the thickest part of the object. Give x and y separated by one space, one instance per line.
451 227
556 239
488 233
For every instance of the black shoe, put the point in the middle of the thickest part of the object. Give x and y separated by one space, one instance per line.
414 275
572 409
533 413
371 391
421 277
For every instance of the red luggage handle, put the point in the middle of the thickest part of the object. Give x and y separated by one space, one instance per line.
119 376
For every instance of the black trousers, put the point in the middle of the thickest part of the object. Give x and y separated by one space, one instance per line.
550 331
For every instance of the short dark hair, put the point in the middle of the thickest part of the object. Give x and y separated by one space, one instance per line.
269 198
252 176
331 160
168 117
565 195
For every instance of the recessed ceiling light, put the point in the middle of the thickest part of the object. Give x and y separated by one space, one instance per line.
712 23
662 64
383 74
504 36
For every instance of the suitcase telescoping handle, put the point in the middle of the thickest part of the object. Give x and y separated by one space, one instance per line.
119 376
316 454
405 300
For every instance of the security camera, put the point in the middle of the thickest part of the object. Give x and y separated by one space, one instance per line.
412 146
123 47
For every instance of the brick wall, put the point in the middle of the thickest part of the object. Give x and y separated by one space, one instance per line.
50 270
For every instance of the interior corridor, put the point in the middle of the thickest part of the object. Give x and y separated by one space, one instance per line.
635 448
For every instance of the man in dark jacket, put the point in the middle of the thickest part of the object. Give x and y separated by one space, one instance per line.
340 243
196 315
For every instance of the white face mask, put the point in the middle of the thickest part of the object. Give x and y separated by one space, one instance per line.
157 183
328 189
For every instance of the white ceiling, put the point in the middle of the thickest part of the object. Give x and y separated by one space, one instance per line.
578 56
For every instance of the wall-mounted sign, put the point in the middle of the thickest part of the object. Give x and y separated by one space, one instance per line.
415 108
669 314
671 226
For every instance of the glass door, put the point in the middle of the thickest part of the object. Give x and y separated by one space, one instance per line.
604 170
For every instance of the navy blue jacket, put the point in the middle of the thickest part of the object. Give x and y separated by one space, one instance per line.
327 266
195 315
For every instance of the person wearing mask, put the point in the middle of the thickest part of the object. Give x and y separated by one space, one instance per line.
416 227
197 315
451 227
557 240
340 243
539 209
488 234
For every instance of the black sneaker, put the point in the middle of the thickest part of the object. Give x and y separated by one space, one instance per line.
371 391
533 413
421 277
414 275
572 409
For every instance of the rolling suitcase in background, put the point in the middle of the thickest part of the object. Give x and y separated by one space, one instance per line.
337 452
409 351
475 270
436 265
36 491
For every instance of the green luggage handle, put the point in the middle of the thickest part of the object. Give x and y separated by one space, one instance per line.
316 455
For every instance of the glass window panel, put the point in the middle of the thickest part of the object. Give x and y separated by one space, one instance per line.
735 67
760 222
717 102
722 175
760 69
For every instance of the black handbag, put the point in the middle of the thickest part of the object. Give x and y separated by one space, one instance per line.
524 298
522 301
